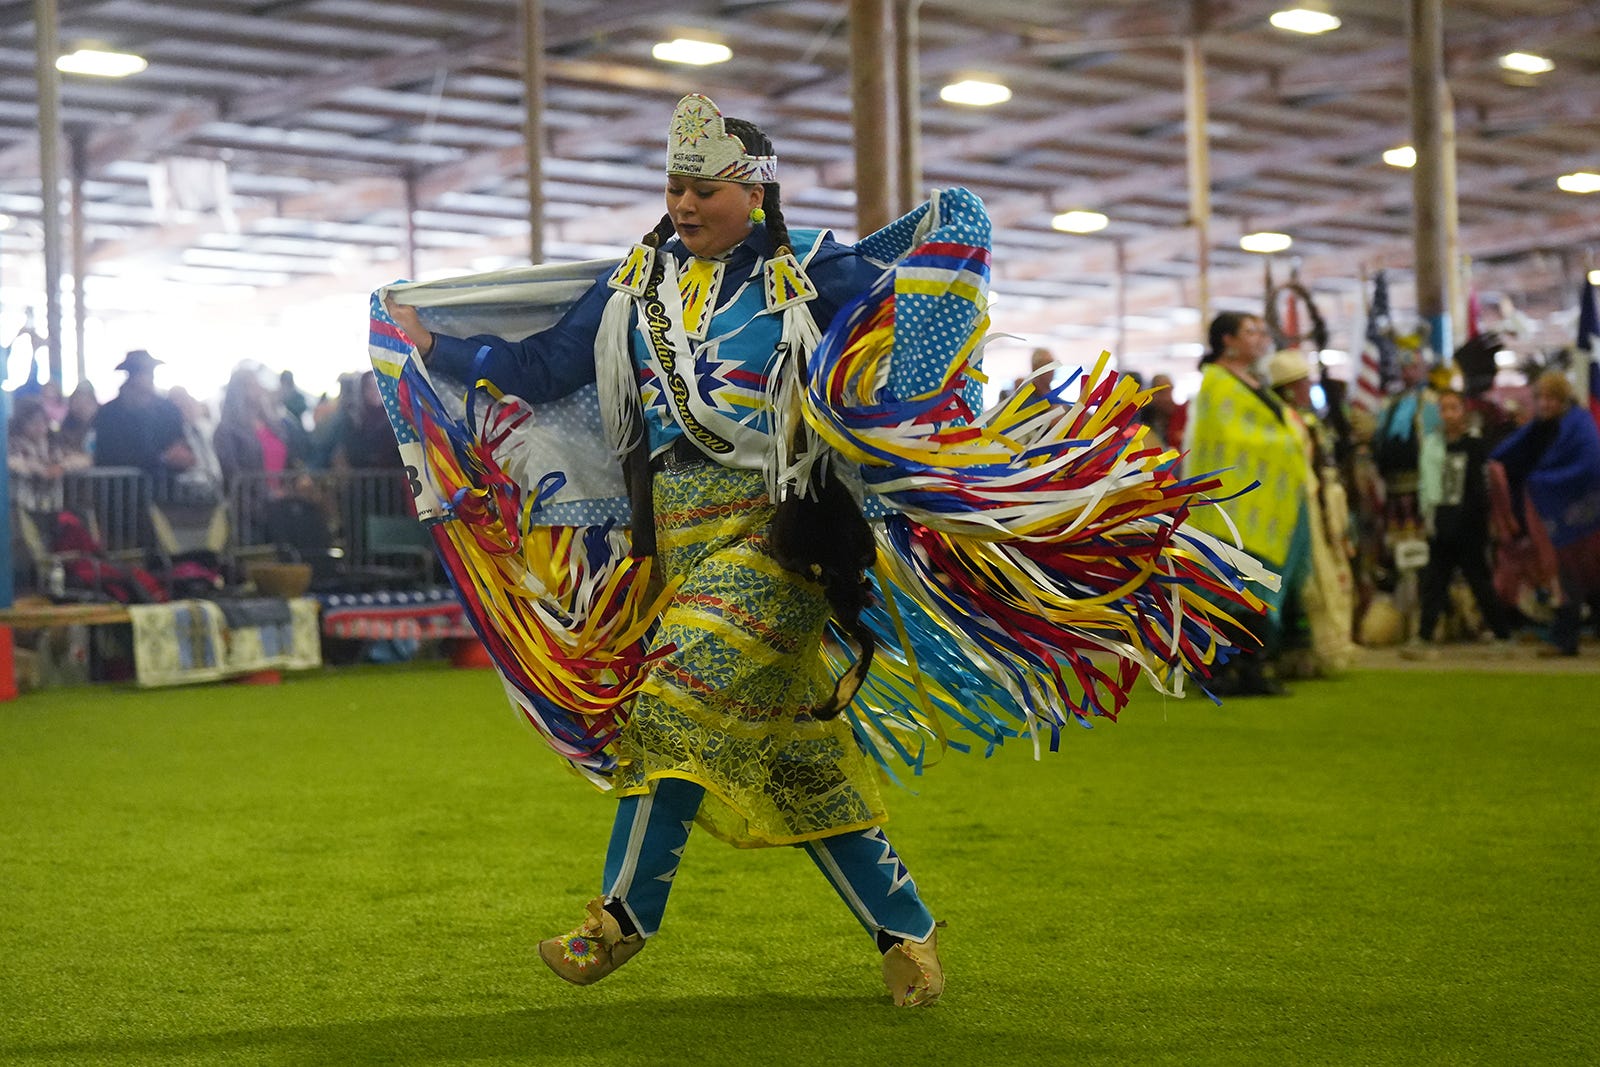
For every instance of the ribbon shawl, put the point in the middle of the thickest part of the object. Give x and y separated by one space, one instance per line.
1034 558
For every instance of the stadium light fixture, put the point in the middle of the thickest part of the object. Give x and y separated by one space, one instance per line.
1526 63
101 63
1304 20
692 52
975 92
1579 181
1405 156
1079 222
1265 241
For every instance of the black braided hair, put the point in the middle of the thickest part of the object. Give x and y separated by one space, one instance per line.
777 228
822 534
655 239
824 537
756 142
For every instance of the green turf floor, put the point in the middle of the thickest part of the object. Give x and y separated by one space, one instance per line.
353 868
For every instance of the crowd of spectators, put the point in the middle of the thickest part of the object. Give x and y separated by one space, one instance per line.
1369 519
1453 512
258 448
193 448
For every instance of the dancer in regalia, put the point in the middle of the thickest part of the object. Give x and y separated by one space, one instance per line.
762 389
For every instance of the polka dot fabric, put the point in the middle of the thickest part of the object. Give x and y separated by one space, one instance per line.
941 296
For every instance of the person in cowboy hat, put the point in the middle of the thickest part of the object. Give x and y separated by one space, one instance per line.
139 427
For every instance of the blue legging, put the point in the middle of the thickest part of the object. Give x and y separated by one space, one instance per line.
651 830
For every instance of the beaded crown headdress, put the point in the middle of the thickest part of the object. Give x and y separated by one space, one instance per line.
699 146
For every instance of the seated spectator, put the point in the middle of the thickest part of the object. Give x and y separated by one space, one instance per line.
34 458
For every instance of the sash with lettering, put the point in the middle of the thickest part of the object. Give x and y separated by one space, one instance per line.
669 354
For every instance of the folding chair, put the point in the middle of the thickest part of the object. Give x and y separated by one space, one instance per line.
397 548
191 544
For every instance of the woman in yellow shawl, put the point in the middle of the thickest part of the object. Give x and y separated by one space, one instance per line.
1237 427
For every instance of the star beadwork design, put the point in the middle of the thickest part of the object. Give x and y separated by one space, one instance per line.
694 125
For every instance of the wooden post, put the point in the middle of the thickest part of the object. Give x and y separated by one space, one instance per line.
408 245
1197 140
1122 305
533 77
78 145
1429 190
1455 264
869 97
908 105
46 32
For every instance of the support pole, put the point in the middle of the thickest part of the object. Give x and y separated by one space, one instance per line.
533 78
1455 264
46 32
408 247
1429 192
908 105
869 96
1122 306
78 145
1198 142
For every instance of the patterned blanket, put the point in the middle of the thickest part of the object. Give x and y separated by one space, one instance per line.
191 641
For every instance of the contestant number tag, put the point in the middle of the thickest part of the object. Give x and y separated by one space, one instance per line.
418 484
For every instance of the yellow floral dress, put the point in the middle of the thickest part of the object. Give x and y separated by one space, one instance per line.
729 708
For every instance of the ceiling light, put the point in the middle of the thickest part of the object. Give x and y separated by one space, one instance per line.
1594 277
1526 63
7 221
975 93
101 63
695 53
1265 241
1404 156
1079 221
1303 20
1580 181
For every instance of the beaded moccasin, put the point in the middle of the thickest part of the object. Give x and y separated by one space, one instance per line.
913 973
593 950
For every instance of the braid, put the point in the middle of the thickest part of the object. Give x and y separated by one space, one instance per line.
822 533
655 239
756 142
777 229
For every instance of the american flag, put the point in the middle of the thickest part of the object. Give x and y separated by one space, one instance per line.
1379 355
1589 344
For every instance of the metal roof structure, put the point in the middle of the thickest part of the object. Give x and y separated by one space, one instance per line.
279 144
